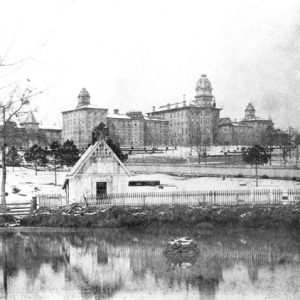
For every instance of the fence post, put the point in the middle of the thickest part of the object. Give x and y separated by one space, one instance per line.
33 204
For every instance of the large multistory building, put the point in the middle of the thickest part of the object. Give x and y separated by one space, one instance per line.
184 123
250 130
192 122
79 123
136 129
130 129
29 132
36 133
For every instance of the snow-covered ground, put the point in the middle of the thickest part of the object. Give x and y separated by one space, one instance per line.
190 152
174 183
26 181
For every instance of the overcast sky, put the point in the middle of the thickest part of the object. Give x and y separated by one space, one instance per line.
132 55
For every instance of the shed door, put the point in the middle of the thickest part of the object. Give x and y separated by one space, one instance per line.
101 189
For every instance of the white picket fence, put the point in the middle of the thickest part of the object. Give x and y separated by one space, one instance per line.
50 200
193 198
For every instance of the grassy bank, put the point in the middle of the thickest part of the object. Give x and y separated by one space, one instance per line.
195 217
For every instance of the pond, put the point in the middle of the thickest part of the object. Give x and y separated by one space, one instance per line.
120 264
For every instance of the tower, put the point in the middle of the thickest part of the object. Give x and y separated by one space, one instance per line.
249 112
203 90
30 123
83 98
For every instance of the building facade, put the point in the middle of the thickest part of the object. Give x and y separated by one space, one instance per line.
30 132
186 123
79 123
194 122
130 129
98 172
248 131
135 129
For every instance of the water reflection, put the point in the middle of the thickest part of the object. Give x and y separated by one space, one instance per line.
117 264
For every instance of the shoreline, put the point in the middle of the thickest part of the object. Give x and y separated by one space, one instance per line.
200 217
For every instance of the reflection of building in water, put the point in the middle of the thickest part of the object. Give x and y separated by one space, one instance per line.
145 265
103 263
90 266
98 268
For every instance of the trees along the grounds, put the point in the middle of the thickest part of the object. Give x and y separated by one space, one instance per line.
13 158
14 99
283 142
256 155
9 110
70 153
115 147
200 142
297 143
269 140
197 142
101 132
37 156
56 153
206 143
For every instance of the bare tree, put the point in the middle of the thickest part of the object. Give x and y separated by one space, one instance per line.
268 140
10 111
12 106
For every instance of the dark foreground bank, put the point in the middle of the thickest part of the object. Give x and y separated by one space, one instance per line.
281 216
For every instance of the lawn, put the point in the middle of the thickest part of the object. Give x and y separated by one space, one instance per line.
21 183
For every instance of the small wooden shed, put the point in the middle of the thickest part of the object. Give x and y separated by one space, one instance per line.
99 171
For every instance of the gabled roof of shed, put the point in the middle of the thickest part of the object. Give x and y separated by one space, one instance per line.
89 152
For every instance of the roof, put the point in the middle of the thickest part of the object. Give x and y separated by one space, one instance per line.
89 106
203 86
181 105
256 119
123 116
238 124
49 127
155 119
88 153
117 116
250 107
84 93
30 119
225 122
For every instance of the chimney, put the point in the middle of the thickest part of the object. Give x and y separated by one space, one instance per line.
116 111
168 106
184 103
153 108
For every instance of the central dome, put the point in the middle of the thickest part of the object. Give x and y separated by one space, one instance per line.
203 86
250 107
84 93
83 98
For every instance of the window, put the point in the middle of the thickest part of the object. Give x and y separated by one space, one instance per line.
101 189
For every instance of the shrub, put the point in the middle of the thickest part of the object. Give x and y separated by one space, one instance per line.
265 177
15 190
240 176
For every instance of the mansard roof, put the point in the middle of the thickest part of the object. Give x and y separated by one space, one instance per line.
250 107
203 84
84 94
